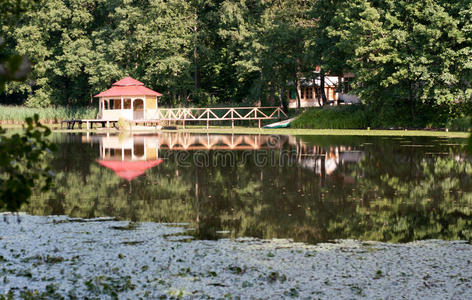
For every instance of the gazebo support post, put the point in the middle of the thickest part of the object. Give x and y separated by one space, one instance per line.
144 108
132 108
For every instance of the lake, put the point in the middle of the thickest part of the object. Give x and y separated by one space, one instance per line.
307 188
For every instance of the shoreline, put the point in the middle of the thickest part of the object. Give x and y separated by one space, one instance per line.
57 256
278 131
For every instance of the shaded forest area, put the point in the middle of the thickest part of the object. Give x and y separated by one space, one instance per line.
406 55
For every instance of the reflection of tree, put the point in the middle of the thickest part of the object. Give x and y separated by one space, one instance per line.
436 204
102 193
396 194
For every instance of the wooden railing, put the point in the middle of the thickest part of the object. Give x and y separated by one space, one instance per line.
220 114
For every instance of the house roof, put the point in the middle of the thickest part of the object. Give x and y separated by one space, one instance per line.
128 87
129 169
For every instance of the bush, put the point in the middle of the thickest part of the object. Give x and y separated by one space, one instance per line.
334 117
454 116
461 124
24 164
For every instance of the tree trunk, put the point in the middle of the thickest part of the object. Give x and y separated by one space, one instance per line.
282 100
318 96
271 94
297 85
322 84
412 102
195 53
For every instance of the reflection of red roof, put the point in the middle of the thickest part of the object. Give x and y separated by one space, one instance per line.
129 169
128 87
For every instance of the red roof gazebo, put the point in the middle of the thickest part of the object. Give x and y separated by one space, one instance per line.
129 99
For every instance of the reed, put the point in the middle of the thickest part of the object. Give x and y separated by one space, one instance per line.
10 114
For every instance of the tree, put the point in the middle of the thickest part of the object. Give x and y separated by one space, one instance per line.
13 67
406 53
24 164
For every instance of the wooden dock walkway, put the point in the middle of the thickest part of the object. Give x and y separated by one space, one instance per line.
221 114
186 115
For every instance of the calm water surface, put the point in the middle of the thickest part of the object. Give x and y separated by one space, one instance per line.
310 189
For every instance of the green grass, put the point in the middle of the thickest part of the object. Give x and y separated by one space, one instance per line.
281 131
17 114
351 132
293 131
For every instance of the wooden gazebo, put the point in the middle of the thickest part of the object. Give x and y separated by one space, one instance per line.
129 99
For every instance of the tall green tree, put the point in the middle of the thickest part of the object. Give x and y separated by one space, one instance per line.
407 53
79 48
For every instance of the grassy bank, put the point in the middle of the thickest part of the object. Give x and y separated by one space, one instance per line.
454 118
288 131
351 132
17 114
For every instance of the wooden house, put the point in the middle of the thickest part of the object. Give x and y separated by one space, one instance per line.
310 91
129 99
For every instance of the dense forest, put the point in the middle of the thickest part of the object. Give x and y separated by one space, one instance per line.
217 52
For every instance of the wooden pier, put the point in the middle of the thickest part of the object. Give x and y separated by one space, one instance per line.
221 114
105 123
186 115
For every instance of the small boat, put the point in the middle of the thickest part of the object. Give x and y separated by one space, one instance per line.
281 124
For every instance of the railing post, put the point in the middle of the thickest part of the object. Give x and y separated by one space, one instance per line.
232 118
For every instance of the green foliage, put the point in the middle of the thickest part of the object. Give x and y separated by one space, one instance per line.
406 53
392 115
412 60
13 67
462 124
24 164
334 117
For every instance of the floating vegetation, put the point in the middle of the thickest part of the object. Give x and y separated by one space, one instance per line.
129 226
82 220
121 264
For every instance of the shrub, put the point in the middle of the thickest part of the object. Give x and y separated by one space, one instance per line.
334 117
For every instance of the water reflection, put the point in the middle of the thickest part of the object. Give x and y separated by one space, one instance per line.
129 157
310 189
